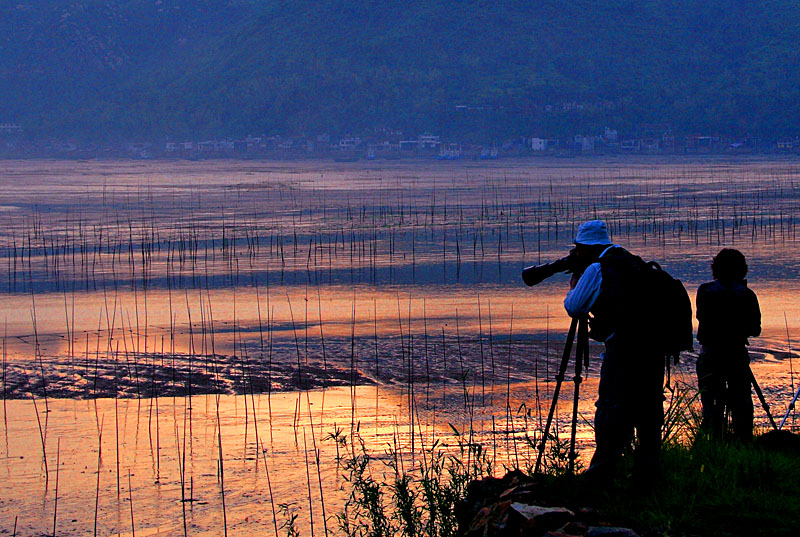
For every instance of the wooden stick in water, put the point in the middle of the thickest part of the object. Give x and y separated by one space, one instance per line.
97 489
130 501
42 438
5 409
58 464
269 487
308 484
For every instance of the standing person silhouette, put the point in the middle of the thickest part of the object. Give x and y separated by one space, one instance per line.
727 314
630 393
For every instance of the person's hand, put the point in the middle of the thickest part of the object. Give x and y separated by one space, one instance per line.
573 281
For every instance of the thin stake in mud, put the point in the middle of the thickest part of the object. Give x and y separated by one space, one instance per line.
116 415
44 442
791 363
308 482
97 488
269 487
55 501
38 354
322 338
181 459
480 341
130 501
509 417
377 371
5 409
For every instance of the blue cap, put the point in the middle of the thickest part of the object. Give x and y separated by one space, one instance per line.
592 233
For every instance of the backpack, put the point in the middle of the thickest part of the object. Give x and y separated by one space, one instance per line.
672 314
646 299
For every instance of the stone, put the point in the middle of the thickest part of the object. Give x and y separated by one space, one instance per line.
491 520
574 528
540 517
488 494
610 531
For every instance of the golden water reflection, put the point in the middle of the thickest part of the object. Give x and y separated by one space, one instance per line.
169 449
133 279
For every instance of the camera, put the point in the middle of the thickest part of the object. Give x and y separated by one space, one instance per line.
538 273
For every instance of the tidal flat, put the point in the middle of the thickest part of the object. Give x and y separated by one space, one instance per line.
187 344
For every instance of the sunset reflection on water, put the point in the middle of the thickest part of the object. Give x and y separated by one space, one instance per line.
395 286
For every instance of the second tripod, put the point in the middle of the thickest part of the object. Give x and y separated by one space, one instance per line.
579 327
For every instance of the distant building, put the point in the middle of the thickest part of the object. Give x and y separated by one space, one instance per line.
650 145
428 141
408 145
9 129
349 143
586 143
656 136
451 151
630 145
543 144
207 146
699 143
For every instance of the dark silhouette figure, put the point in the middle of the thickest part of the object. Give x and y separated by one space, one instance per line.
728 314
630 393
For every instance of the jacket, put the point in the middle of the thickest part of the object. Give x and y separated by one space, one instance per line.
727 314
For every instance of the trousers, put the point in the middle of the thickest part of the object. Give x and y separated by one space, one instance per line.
630 399
723 377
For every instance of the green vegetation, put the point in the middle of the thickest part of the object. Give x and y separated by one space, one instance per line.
715 488
100 69
422 502
707 487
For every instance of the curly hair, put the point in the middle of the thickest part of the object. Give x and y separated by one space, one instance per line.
729 265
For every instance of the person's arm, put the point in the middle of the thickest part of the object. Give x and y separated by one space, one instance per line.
700 311
700 303
754 326
582 297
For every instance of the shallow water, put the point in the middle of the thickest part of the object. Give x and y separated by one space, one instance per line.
140 283
169 449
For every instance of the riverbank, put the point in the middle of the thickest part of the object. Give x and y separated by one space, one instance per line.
706 488
709 488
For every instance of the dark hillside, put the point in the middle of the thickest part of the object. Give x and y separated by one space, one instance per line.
97 69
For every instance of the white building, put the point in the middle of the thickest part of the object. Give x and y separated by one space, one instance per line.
349 143
542 144
586 143
428 141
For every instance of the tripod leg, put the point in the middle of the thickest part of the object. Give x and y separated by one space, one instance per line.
763 401
559 379
581 356
789 410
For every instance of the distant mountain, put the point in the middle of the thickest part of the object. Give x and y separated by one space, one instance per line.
101 70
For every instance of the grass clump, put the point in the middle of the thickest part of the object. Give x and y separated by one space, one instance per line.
420 501
706 486
716 488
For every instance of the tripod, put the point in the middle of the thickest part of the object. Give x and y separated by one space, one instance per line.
763 401
579 325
